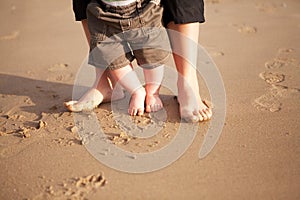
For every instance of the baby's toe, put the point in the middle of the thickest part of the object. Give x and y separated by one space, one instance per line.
148 108
140 111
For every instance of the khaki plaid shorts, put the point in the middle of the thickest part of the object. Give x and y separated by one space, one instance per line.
121 34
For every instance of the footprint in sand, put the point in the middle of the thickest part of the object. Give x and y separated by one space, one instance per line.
244 28
13 35
58 67
217 53
285 51
287 55
269 7
268 101
214 51
272 77
271 101
72 188
61 72
284 58
275 64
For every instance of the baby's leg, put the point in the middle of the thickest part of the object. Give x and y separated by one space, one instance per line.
129 80
153 79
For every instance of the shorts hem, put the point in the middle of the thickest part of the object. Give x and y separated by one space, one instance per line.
156 64
188 21
110 67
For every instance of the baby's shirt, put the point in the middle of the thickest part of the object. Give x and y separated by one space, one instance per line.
118 2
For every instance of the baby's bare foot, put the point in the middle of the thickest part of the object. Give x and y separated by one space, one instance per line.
153 103
136 105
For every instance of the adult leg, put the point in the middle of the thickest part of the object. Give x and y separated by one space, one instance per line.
101 90
107 82
192 108
85 27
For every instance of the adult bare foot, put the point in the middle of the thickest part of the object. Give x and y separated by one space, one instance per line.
136 105
90 100
191 106
100 92
93 98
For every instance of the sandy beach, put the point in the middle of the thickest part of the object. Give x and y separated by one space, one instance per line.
254 44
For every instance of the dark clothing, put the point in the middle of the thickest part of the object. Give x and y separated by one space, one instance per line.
179 11
79 8
183 11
